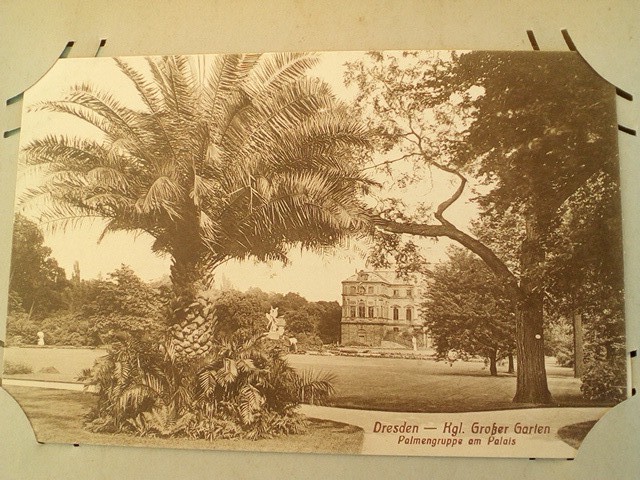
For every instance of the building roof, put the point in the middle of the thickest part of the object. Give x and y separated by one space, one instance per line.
385 276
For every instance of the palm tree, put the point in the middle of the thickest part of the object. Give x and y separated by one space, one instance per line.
232 156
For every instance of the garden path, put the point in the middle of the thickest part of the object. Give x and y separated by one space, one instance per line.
453 432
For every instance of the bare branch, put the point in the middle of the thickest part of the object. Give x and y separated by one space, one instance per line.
389 162
451 200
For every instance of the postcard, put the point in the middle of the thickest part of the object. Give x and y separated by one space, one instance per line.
376 253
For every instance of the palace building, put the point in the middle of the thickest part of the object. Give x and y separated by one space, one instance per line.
378 304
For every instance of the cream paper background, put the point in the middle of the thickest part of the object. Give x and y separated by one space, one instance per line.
33 34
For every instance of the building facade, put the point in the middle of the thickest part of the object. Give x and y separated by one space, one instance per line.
377 305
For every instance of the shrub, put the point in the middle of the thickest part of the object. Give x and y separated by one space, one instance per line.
308 341
249 382
16 368
21 330
605 370
243 388
133 378
603 381
59 329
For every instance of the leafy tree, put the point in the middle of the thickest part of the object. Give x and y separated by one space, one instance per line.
242 312
231 156
292 302
303 320
467 310
37 284
329 318
122 303
530 130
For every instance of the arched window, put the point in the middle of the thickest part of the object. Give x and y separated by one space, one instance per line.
361 311
409 314
396 313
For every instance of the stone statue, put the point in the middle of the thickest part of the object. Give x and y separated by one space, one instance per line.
275 325
41 338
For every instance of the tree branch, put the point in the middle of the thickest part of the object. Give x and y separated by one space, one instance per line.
439 214
448 230
389 162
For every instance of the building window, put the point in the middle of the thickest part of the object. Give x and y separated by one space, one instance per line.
370 289
371 314
352 290
352 312
361 311
409 314
396 313
396 293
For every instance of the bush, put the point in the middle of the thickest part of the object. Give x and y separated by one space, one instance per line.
16 368
21 330
605 370
603 381
308 341
59 329
243 388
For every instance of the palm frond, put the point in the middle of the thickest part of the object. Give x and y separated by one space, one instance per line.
315 387
61 152
228 156
275 71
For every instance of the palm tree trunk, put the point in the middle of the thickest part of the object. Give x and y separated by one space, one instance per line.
191 318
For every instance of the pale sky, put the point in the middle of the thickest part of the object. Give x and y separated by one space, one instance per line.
312 276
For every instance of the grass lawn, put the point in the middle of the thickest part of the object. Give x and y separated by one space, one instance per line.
403 385
574 434
392 384
69 362
57 416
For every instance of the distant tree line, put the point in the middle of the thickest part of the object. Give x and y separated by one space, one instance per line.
92 312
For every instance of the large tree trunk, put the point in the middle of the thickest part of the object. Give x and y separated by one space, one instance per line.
531 385
512 367
493 363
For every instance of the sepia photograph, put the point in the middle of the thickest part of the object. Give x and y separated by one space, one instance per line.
378 253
